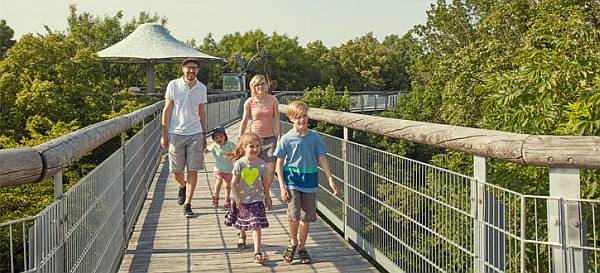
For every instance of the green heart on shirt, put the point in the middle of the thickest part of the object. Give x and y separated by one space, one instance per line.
250 175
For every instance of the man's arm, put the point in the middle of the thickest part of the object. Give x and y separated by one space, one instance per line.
202 114
325 165
165 121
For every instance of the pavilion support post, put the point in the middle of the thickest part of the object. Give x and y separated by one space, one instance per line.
150 76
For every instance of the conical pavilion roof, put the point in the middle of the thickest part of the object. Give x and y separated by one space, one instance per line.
152 42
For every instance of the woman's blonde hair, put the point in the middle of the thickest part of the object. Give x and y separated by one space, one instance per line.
244 140
256 80
296 109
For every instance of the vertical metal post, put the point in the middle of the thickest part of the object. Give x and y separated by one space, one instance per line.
375 96
345 161
58 185
564 222
361 101
387 101
478 210
60 220
123 190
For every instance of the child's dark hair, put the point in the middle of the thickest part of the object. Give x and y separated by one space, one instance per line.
219 130
244 140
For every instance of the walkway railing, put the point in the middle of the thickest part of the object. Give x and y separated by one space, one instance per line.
407 215
413 217
364 101
86 229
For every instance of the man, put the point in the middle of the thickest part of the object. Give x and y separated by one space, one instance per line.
183 130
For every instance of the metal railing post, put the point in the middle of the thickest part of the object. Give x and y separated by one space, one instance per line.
387 101
60 222
477 210
564 222
375 96
345 162
361 102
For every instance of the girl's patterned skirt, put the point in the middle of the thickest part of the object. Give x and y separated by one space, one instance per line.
249 217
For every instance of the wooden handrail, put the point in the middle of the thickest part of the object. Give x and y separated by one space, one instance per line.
530 150
28 165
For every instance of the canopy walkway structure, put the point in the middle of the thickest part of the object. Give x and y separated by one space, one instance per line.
405 215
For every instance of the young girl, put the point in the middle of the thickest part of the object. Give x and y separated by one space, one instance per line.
222 170
249 186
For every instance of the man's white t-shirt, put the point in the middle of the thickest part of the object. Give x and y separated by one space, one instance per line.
184 116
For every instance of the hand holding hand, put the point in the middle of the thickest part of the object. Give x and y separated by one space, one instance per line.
268 202
164 142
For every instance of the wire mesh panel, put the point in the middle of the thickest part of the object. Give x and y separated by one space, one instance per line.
417 215
141 158
94 218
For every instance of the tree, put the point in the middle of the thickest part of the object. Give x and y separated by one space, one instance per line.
6 35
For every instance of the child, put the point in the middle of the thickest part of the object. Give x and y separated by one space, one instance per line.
300 149
249 185
223 167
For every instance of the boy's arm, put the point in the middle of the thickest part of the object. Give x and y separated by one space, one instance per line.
279 171
325 165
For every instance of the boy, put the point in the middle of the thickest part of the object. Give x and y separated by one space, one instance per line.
301 150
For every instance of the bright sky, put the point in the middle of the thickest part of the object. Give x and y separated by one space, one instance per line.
332 21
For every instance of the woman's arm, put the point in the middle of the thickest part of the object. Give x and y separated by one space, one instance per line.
245 116
277 127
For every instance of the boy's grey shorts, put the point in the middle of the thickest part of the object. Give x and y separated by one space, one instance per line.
186 151
302 206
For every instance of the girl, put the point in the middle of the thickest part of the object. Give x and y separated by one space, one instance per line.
263 110
222 170
250 187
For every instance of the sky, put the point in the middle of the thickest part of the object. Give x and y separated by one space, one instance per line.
334 22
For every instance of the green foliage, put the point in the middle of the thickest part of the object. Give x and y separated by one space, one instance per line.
6 35
326 98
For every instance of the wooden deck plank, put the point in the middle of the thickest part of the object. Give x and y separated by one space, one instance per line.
165 241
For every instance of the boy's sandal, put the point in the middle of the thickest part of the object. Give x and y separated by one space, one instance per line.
288 254
241 245
259 258
215 201
227 203
304 257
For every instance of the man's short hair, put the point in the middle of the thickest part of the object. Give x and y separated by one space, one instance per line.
190 60
296 109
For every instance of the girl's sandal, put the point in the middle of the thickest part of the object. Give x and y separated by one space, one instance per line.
241 245
304 257
259 258
288 254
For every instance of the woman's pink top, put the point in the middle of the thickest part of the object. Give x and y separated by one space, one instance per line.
262 116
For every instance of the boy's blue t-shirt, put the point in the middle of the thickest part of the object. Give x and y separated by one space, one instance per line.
301 155
222 162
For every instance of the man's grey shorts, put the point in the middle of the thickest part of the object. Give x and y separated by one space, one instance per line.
186 151
302 207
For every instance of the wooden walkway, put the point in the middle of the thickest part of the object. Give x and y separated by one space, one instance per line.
165 241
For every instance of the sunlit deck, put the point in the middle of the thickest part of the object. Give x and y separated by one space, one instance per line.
165 241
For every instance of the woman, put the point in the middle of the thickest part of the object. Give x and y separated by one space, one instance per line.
263 110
